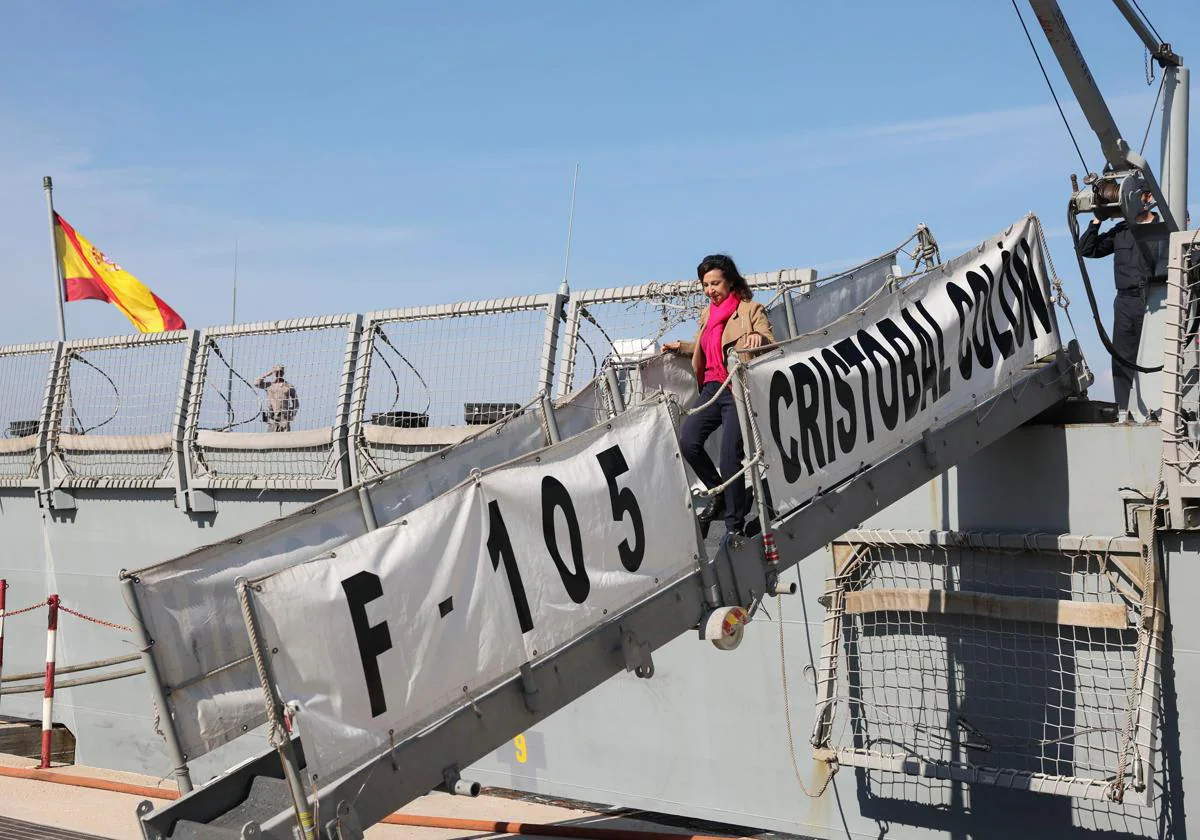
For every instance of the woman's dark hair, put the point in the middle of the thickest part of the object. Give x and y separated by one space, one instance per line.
724 264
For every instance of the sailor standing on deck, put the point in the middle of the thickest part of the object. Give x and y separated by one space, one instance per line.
282 402
1133 268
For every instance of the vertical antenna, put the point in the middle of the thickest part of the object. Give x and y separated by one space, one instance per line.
566 288
233 316
232 320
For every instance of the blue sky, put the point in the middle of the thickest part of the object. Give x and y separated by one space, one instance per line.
396 154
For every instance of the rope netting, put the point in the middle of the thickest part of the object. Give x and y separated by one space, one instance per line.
1015 665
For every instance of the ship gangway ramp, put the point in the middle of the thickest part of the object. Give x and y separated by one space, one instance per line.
393 634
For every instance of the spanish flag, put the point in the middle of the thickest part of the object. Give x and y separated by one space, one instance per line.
89 275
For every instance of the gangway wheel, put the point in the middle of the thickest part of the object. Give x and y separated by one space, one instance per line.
726 626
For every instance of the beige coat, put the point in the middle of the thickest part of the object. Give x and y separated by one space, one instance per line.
750 317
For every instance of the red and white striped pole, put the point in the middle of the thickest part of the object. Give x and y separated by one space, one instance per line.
3 601
48 700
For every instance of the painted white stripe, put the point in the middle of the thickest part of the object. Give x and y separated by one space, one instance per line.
47 713
50 637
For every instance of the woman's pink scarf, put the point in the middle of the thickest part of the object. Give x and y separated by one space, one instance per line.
710 340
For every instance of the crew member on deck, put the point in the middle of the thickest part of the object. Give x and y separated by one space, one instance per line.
282 402
1133 268
731 320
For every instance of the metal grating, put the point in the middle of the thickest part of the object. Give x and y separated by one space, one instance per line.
25 371
427 377
268 403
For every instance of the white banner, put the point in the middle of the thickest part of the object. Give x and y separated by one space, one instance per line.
189 604
830 405
410 622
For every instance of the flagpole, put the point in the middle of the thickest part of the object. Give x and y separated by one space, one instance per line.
48 187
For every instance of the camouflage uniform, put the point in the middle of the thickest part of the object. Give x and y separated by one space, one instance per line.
282 404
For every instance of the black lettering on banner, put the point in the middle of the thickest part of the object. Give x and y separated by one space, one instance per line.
928 367
943 377
499 546
781 391
963 304
1033 299
910 378
889 412
846 349
555 496
808 409
373 640
979 328
847 427
612 464
1015 312
1003 338
827 403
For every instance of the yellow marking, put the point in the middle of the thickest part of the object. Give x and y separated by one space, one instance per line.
522 749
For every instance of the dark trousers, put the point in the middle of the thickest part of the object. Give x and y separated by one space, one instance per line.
696 430
1129 311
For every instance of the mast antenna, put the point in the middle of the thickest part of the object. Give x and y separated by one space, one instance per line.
565 289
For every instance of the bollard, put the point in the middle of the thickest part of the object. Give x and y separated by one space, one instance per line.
48 700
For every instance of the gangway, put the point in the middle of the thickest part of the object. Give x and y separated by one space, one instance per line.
386 659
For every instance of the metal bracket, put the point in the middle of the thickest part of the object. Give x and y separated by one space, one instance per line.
930 450
198 501
145 807
529 688
345 824
454 783
55 499
774 587
636 654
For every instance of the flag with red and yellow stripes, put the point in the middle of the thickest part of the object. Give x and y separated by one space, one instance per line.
89 275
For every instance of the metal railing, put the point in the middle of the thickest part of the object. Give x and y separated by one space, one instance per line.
114 411
430 376
1180 420
269 402
357 396
27 373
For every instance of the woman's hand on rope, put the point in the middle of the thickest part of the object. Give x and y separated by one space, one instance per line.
672 347
754 341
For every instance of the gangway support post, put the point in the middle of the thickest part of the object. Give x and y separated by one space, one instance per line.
183 775
279 733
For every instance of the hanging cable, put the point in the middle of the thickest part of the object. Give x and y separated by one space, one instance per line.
1153 111
428 393
75 357
1146 20
1046 76
212 344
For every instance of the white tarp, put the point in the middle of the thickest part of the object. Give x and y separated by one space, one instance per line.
190 607
829 405
413 620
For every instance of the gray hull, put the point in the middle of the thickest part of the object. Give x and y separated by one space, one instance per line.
707 736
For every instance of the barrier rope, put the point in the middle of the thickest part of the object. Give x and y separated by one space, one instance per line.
123 628
787 717
30 608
